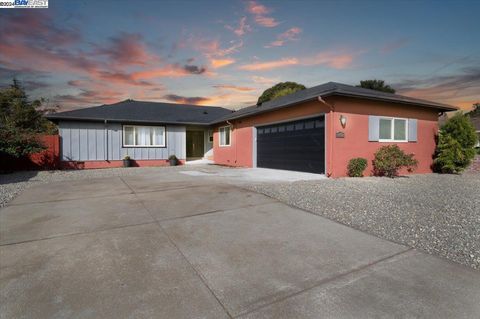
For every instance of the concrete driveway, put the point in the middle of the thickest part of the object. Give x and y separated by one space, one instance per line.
174 245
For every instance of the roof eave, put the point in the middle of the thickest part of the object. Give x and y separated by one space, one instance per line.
262 111
87 119
335 92
386 99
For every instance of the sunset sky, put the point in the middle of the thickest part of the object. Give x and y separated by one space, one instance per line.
85 53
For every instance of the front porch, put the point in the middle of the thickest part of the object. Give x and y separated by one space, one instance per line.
199 143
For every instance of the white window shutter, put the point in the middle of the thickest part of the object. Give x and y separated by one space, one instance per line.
373 128
412 130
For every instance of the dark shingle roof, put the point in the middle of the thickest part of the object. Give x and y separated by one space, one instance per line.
145 112
168 113
331 88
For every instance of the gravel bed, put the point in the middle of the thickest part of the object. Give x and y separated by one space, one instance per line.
439 214
12 184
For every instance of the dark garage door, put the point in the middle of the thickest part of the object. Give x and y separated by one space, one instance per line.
296 146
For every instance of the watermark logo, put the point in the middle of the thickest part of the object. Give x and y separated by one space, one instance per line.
15 4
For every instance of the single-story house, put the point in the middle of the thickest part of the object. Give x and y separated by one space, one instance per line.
148 132
314 130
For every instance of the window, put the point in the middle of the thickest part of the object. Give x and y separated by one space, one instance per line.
392 129
143 136
224 136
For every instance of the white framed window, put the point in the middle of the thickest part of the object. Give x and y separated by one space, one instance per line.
393 129
224 136
143 136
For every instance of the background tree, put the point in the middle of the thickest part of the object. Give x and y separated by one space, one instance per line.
475 111
278 90
21 120
377 85
456 145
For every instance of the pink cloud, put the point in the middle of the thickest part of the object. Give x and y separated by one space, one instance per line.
269 65
220 63
232 99
242 29
260 14
18 26
196 100
89 97
170 70
234 87
212 48
333 60
257 9
264 80
460 88
40 59
289 35
127 49
75 83
267 22
217 56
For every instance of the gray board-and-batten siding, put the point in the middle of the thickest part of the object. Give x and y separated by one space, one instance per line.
93 141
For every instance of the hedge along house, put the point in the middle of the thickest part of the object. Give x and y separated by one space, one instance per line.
148 132
314 130
321 128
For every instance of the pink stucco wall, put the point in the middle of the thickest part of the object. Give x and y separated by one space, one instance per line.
339 150
239 153
356 144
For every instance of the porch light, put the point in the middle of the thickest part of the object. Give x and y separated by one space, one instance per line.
343 121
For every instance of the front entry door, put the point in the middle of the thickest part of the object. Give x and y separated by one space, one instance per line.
195 144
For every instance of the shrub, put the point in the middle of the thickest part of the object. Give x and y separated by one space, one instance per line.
390 159
451 157
17 142
456 145
461 128
356 166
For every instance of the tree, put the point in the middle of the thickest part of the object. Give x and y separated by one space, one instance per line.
475 111
377 85
278 90
20 121
456 145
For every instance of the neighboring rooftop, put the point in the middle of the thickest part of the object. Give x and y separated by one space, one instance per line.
145 112
332 88
476 123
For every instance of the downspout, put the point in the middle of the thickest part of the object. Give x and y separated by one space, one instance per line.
231 140
330 135
106 140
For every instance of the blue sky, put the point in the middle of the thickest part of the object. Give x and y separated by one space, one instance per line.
84 53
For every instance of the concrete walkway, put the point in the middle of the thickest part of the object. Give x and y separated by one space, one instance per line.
174 245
